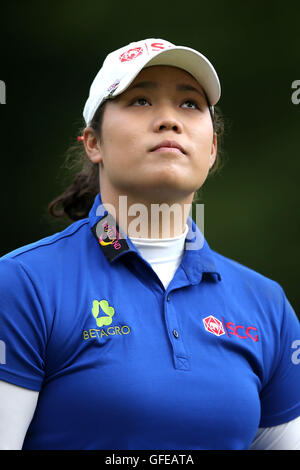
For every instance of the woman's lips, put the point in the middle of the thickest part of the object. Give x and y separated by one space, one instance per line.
168 146
168 150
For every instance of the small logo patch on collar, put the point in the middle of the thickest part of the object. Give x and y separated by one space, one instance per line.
108 235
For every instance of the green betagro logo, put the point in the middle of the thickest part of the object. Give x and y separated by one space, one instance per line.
109 312
99 308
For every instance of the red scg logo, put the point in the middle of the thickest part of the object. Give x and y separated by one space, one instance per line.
219 328
135 52
213 325
131 54
241 332
157 46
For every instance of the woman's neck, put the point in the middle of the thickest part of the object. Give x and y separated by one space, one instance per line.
144 219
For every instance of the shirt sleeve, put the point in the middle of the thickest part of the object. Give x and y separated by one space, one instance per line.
17 407
22 327
280 396
282 437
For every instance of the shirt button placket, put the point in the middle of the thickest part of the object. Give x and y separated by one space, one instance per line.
181 360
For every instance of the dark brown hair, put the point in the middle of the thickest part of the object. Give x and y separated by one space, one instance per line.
76 201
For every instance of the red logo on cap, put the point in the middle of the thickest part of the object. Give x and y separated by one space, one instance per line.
131 54
213 325
158 46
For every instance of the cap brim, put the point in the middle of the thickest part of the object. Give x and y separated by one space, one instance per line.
187 59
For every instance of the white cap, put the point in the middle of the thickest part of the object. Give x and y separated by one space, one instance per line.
120 68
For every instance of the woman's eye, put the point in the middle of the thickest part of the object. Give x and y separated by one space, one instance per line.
190 104
140 102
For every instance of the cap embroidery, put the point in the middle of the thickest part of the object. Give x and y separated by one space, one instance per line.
113 86
131 54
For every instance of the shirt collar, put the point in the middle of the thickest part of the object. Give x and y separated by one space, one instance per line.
198 257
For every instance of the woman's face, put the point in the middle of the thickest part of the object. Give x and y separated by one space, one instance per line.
163 108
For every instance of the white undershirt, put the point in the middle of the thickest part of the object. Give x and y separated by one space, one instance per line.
164 255
17 404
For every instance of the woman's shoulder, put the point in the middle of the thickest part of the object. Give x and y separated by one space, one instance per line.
255 291
47 244
245 277
45 255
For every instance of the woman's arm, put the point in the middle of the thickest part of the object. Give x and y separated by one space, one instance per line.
17 406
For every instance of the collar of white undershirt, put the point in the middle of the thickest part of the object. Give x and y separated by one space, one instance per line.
161 250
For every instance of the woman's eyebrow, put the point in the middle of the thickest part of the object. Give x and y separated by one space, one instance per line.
186 87
144 85
179 87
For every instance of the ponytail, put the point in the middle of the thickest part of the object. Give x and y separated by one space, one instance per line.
76 201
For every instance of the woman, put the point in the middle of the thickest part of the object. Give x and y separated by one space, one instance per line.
126 331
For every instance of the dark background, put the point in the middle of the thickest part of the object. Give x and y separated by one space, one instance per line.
50 53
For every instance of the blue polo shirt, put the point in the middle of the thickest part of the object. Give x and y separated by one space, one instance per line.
122 363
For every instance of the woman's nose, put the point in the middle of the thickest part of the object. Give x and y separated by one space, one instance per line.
167 123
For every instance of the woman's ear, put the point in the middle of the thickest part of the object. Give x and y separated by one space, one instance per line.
214 150
92 145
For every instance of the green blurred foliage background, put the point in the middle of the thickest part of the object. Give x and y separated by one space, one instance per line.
50 53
